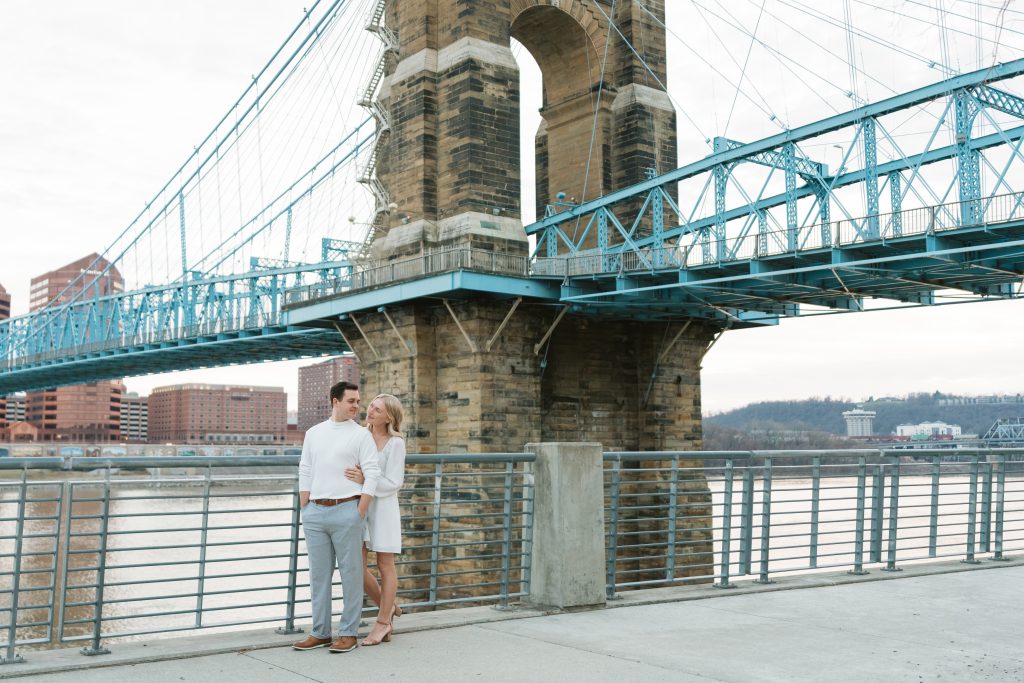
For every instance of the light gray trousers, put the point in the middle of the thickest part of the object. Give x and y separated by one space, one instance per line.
334 534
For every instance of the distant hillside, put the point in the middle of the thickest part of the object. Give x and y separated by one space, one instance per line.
826 414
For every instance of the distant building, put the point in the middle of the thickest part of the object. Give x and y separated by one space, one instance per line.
84 412
218 414
12 409
89 413
89 276
134 418
292 436
15 411
5 304
19 432
859 422
980 400
929 430
5 313
315 383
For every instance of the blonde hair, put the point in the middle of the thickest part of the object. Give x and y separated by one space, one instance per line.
393 409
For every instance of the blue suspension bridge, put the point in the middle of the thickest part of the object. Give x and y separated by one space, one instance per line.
259 240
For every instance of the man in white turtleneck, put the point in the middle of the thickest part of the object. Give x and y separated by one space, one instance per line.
333 510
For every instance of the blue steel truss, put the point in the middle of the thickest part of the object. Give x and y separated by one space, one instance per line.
756 261
204 322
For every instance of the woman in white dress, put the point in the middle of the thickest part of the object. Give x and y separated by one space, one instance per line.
383 531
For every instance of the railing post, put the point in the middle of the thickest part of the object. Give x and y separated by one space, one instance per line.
673 511
527 543
568 531
858 538
894 515
202 546
986 506
747 520
815 506
101 574
293 568
506 542
972 512
611 554
19 531
1000 506
933 517
723 581
65 534
435 533
766 519
877 505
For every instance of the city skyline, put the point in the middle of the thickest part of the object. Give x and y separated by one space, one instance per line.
107 100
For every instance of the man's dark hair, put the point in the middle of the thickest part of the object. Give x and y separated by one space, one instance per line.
339 389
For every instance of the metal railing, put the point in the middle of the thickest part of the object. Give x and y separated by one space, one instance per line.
431 262
116 449
118 553
701 248
701 517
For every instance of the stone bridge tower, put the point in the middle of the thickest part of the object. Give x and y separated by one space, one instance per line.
488 373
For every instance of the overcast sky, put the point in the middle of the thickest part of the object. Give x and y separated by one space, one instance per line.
101 101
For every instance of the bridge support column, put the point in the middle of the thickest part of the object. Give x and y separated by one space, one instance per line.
567 569
628 384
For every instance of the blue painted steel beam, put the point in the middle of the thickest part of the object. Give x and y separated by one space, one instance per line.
444 284
806 168
870 175
999 99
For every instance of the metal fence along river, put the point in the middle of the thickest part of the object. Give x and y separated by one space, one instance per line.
700 517
122 554
98 548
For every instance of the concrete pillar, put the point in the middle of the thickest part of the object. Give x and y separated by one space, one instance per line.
568 526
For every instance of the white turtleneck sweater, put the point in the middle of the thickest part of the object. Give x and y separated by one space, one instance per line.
328 450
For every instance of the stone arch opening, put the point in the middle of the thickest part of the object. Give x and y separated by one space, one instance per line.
573 145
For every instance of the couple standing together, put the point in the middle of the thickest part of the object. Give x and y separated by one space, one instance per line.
349 477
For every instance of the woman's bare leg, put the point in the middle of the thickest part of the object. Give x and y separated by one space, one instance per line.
389 585
370 585
388 590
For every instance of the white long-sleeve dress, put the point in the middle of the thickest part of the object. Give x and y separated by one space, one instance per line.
383 531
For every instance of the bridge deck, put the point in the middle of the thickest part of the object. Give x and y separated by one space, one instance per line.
936 622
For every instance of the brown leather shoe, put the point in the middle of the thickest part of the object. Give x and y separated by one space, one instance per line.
343 644
311 643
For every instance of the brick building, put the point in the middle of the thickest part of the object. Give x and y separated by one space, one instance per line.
134 418
217 414
82 412
16 432
5 304
15 411
89 276
89 413
315 383
12 410
5 313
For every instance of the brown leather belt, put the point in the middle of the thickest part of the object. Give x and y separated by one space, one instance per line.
328 502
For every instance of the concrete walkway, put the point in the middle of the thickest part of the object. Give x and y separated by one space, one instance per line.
937 623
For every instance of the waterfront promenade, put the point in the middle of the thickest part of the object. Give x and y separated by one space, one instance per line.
939 622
